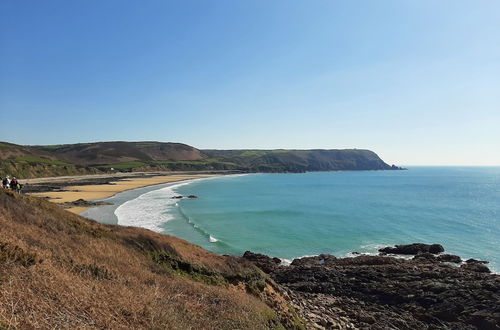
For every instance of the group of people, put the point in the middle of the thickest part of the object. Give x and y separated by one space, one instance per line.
13 184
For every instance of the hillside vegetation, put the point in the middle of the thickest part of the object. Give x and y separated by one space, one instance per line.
99 157
301 160
59 270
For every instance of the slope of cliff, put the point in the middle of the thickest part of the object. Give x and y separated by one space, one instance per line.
302 160
59 270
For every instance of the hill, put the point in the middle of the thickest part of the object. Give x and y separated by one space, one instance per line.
101 153
301 160
59 270
30 162
99 157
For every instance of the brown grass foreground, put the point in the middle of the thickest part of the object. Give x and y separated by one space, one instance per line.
58 270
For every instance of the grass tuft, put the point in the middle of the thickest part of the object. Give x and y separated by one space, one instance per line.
14 254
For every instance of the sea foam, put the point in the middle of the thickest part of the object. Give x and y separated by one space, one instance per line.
149 210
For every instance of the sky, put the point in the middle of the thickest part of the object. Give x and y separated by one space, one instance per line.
418 82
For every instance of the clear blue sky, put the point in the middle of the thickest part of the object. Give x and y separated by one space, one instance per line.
416 81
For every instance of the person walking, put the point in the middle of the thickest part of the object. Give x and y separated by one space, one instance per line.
13 184
5 182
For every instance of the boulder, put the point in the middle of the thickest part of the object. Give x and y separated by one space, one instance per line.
321 259
449 258
476 267
425 257
267 264
413 249
474 261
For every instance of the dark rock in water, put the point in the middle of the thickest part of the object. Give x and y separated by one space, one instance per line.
476 267
83 202
313 261
413 249
180 197
474 261
449 258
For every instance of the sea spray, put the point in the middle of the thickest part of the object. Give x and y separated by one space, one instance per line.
152 210
149 210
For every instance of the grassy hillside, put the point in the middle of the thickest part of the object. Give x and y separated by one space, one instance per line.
301 160
29 162
13 151
100 153
59 270
86 158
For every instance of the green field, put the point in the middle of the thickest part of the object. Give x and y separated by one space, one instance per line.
124 166
36 160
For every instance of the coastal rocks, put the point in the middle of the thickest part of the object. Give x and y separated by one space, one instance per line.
474 261
476 267
382 292
449 258
267 264
181 197
84 203
429 257
413 249
322 259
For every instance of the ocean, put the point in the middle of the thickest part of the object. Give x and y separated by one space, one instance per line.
294 215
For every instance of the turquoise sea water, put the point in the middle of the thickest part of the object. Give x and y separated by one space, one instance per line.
292 215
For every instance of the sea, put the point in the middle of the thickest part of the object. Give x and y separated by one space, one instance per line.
293 215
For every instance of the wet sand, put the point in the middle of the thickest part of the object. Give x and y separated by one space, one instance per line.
101 191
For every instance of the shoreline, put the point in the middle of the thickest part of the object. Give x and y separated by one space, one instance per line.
105 213
111 185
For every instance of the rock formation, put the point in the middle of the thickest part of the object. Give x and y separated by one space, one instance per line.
384 292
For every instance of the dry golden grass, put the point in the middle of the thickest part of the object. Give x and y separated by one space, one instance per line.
59 270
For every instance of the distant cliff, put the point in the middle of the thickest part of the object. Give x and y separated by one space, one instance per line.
302 160
98 157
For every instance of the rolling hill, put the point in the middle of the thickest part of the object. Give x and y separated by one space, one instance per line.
99 157
100 153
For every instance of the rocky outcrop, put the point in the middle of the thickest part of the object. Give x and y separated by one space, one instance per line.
413 249
384 292
84 203
267 264
449 258
181 197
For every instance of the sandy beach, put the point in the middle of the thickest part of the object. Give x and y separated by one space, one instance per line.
101 191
